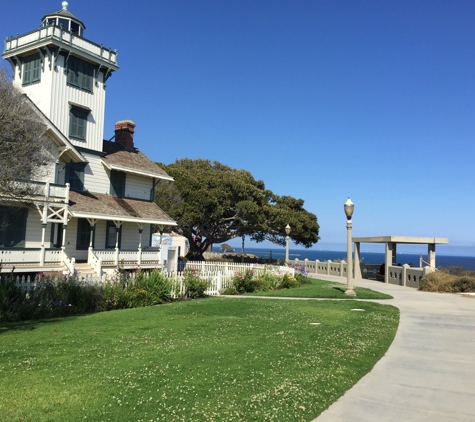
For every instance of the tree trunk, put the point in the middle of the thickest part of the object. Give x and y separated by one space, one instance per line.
196 250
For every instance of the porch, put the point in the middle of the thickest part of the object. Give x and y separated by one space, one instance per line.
100 261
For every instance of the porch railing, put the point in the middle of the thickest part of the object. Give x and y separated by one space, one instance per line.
147 256
95 262
68 262
20 256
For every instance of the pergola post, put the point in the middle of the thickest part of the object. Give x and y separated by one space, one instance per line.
357 263
431 254
390 259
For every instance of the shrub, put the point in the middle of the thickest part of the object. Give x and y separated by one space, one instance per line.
464 284
65 295
194 285
157 286
229 291
288 282
267 281
244 282
438 281
445 281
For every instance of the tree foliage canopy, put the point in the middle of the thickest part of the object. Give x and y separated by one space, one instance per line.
23 144
213 203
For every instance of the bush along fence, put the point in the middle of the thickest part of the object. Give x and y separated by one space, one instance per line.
221 274
404 275
46 297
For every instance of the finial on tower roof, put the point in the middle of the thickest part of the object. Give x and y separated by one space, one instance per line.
65 5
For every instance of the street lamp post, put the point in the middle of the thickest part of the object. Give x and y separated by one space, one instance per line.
349 207
287 238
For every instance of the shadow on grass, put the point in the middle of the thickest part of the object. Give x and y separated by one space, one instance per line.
341 289
31 324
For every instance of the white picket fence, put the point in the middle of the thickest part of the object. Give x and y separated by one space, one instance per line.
219 274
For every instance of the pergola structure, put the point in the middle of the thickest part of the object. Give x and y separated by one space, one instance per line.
390 243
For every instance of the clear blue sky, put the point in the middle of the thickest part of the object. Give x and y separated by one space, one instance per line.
321 99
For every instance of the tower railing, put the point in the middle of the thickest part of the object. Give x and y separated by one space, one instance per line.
59 36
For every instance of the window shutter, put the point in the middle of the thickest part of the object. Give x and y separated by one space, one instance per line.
77 123
27 73
81 127
36 69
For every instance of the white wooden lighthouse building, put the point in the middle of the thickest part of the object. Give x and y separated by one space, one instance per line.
96 206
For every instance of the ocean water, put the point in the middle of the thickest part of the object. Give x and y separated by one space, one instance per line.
466 262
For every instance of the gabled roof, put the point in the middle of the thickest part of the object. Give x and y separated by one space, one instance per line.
131 161
106 207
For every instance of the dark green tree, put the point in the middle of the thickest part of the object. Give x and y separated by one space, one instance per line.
213 203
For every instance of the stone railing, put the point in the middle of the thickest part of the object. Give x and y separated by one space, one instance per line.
406 275
403 276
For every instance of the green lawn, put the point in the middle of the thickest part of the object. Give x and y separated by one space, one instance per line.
216 359
324 289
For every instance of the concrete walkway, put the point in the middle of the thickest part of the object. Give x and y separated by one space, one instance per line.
428 373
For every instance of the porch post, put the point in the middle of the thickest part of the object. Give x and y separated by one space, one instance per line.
92 223
43 227
117 234
63 240
139 258
42 253
65 226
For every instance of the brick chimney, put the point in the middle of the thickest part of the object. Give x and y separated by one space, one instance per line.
124 133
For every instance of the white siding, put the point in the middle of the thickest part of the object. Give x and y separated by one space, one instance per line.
63 94
96 178
33 230
52 96
100 236
71 239
138 186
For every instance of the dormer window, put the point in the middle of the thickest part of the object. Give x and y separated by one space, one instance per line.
118 183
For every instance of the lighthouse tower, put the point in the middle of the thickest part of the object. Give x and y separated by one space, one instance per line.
65 75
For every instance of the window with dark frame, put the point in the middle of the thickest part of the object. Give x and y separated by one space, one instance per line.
75 176
111 233
56 235
118 183
83 234
78 123
13 227
31 69
80 74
